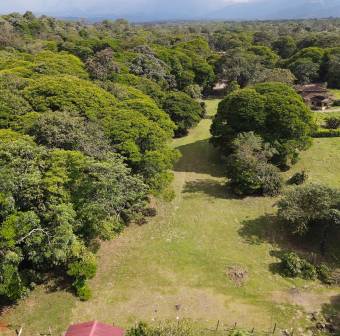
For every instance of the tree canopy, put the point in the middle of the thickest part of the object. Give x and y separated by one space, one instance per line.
272 110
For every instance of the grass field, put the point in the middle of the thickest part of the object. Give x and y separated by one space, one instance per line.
322 116
335 93
183 255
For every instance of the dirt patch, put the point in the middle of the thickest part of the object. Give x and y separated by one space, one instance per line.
237 274
309 301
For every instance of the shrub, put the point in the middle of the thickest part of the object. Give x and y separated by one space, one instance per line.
298 178
83 291
310 206
182 328
248 167
324 274
294 266
333 123
326 133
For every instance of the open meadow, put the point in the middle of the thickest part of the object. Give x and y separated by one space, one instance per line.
187 256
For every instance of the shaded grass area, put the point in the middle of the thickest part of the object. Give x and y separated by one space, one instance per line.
182 256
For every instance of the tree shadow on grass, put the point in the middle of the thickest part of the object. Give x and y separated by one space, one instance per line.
269 229
209 187
200 157
264 229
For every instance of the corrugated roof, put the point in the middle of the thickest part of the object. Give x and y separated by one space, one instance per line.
94 328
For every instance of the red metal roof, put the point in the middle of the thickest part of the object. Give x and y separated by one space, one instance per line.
93 328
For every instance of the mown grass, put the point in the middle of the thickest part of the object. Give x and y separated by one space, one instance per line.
183 255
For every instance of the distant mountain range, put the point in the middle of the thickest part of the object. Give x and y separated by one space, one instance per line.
157 10
278 9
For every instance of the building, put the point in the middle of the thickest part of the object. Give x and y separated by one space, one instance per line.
220 88
315 95
94 328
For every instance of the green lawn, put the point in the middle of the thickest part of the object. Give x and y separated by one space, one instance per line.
183 256
322 116
335 93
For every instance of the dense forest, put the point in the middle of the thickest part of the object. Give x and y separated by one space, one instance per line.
88 111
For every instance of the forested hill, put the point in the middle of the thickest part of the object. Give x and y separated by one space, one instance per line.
87 113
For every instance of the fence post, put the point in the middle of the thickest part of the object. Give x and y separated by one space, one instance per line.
274 329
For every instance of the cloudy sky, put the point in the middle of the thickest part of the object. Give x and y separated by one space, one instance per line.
99 7
150 10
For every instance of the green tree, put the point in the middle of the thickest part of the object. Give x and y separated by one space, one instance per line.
248 167
285 46
53 204
184 111
274 111
312 208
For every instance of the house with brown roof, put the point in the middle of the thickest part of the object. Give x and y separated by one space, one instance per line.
316 96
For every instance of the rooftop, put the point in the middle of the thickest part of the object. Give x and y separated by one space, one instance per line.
94 328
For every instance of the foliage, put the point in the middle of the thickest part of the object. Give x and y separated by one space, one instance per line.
274 111
285 46
12 106
330 68
275 75
248 167
184 111
102 66
69 131
194 91
147 65
298 178
168 328
333 123
311 208
53 204
293 266
306 64
145 85
66 93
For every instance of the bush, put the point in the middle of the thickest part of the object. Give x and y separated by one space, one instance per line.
293 266
310 206
326 133
333 123
168 328
83 291
298 178
248 167
324 274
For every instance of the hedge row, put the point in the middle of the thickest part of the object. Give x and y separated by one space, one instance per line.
326 133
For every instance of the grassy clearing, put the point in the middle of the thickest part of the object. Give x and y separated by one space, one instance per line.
182 256
321 117
335 93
